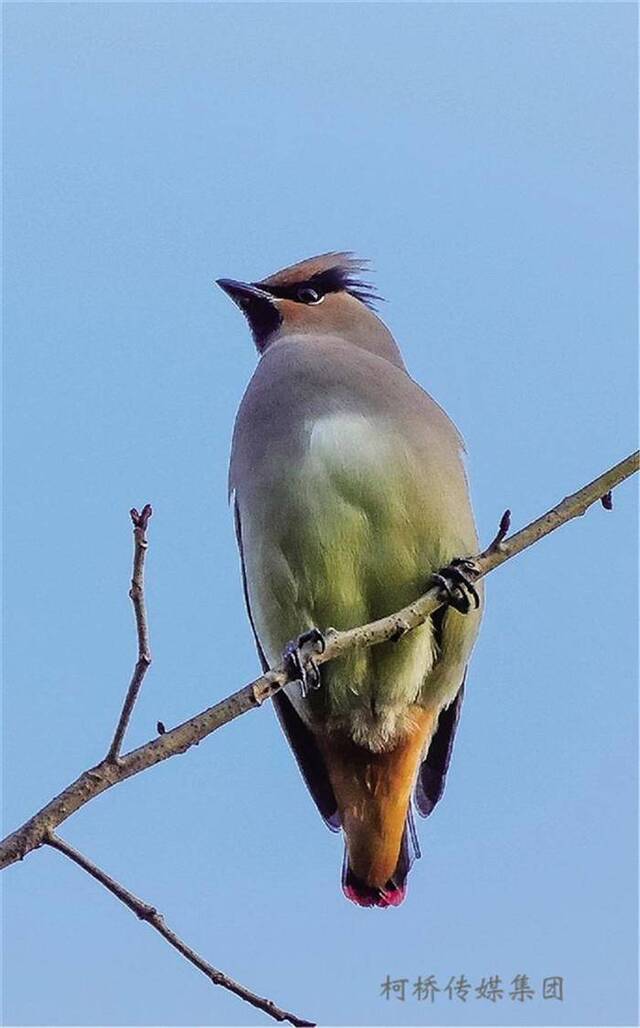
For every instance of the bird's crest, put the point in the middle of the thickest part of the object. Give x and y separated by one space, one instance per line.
329 273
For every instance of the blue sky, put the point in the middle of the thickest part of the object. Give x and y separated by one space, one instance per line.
483 157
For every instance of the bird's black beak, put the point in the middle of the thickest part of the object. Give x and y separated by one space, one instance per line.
243 293
258 306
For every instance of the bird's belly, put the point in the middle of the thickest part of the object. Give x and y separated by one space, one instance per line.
345 538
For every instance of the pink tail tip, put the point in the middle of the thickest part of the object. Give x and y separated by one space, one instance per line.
367 896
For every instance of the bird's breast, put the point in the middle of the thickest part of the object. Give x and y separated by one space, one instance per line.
344 539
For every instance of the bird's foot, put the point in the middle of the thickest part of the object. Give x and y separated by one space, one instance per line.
456 580
299 660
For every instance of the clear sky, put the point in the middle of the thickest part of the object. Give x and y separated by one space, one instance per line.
483 156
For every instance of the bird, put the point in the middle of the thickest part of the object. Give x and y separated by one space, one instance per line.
349 491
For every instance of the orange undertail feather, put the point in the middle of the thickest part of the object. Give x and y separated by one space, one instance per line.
373 792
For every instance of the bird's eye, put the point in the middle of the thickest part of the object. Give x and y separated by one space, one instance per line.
308 295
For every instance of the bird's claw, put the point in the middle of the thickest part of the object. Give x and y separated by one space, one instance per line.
456 581
299 660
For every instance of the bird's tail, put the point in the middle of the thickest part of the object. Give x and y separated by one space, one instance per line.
394 892
373 791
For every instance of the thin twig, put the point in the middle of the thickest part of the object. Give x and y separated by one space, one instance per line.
106 774
149 914
136 592
501 534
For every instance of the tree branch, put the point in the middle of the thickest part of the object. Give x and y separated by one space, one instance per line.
136 592
149 914
107 773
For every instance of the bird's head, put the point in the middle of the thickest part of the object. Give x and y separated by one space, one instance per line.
318 297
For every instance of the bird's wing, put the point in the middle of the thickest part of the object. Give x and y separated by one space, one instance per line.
309 760
301 740
433 770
